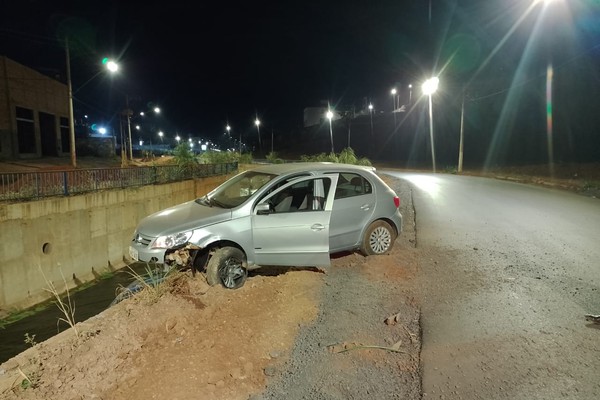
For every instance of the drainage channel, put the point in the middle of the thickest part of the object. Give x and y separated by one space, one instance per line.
45 324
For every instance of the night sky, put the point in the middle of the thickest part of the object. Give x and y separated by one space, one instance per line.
215 62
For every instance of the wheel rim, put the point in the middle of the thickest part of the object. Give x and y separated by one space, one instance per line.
380 240
231 272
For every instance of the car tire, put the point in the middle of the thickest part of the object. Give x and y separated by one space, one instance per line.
379 238
227 267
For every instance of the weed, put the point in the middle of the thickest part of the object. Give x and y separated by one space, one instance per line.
151 282
30 339
66 307
29 381
450 170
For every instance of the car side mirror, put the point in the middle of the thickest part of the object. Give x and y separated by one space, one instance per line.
263 209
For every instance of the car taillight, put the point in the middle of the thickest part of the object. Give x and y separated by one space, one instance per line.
397 201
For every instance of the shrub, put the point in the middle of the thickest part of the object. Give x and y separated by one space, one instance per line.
346 156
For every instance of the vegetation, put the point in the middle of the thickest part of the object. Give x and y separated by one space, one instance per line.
346 156
151 283
273 158
65 305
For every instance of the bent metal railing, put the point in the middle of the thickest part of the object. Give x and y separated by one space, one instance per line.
35 185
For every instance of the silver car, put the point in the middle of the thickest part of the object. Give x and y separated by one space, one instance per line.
284 214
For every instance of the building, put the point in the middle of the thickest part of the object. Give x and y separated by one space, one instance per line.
34 111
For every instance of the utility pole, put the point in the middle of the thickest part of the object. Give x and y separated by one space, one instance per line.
129 112
462 131
71 114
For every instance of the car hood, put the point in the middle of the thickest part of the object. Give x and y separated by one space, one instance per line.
181 218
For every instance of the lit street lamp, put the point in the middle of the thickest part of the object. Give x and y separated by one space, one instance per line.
410 94
393 92
112 67
371 114
329 116
178 139
257 123
430 87
161 134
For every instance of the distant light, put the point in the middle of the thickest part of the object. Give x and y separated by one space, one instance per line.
410 85
257 122
329 115
160 133
190 139
102 130
157 110
137 127
85 116
141 142
177 138
110 65
191 144
370 107
203 147
142 113
228 128
393 91
430 86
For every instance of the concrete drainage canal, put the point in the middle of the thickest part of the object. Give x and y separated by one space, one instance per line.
45 323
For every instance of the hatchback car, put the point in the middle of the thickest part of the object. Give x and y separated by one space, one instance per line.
293 214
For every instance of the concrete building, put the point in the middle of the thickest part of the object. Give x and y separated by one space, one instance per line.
34 113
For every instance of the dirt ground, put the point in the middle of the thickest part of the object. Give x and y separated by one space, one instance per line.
287 332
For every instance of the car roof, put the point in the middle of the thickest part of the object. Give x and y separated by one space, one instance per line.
282 169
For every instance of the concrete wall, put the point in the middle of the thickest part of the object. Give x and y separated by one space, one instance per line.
78 237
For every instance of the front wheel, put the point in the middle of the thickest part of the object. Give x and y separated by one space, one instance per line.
378 238
227 267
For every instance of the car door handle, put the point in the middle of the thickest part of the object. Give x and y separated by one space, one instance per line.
365 207
317 227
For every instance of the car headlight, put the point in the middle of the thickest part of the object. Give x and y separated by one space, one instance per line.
166 242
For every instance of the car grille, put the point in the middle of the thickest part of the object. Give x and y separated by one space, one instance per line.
141 239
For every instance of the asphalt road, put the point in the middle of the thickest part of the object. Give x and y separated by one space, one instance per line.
508 272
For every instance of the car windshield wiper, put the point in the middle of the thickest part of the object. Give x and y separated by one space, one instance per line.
210 201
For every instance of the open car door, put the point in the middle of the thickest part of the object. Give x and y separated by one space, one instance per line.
290 226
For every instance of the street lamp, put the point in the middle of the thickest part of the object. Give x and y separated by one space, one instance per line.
371 114
329 116
178 139
410 94
430 87
161 134
111 66
393 92
257 123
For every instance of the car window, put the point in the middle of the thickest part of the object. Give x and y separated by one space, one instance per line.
238 189
307 195
351 184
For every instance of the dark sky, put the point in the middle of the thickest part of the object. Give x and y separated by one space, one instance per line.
206 63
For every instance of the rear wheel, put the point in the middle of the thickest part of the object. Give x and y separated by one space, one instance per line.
227 267
378 238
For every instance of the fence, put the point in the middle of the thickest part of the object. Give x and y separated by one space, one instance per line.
35 185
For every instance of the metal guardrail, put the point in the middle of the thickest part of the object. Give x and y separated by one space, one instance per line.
36 185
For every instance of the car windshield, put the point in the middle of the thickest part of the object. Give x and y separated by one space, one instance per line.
236 190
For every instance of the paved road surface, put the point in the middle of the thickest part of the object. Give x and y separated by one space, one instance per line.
508 272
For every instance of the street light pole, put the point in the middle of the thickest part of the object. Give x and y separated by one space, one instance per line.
394 91
257 123
271 140
128 111
329 116
371 114
462 131
429 87
71 114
